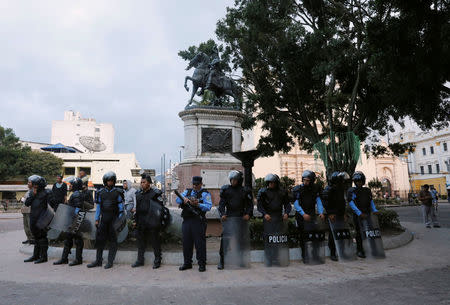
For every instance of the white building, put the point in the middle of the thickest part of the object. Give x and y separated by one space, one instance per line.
429 160
85 134
96 165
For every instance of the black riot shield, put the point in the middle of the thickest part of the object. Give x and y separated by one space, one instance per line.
63 219
345 247
87 228
371 237
276 247
121 227
45 218
236 242
314 237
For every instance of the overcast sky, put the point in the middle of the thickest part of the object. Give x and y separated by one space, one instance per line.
115 61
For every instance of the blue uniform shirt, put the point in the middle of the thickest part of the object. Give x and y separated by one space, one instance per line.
98 209
206 196
319 206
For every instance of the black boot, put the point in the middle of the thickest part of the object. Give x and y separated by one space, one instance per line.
64 258
157 262
111 256
333 256
78 256
98 260
140 258
221 264
35 255
43 248
185 267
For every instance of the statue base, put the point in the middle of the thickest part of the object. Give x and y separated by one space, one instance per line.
211 135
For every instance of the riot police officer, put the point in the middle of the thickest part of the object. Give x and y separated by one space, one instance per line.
39 199
145 198
333 197
76 200
307 199
272 199
235 201
109 208
196 202
361 202
273 203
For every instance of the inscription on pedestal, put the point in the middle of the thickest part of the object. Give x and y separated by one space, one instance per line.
217 140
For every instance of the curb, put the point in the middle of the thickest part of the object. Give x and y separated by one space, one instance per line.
176 258
398 241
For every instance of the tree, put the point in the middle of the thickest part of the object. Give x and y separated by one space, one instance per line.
17 160
375 185
321 71
287 183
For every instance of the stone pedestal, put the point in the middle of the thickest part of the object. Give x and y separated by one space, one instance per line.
210 136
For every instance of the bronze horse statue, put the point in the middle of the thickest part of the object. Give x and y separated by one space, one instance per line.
220 84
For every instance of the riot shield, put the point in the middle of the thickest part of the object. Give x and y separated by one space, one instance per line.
45 218
314 237
63 219
345 247
276 248
87 228
121 227
236 243
371 237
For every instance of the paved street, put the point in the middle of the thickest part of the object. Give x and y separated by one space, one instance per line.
414 214
417 273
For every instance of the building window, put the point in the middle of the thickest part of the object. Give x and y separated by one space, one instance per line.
430 169
69 171
424 151
97 129
422 170
431 150
87 170
437 168
445 146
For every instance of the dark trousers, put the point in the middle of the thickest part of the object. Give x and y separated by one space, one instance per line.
359 245
143 234
78 240
106 233
194 233
301 232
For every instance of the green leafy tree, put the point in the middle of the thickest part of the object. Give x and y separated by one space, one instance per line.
287 183
17 160
375 185
315 69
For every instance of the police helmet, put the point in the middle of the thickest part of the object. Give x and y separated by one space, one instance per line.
109 176
77 183
359 176
236 175
310 175
271 178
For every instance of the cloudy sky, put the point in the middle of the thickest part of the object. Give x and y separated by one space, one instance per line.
115 61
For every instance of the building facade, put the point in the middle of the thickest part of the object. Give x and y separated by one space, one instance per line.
85 134
392 172
429 159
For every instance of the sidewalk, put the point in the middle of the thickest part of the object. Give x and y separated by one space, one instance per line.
415 256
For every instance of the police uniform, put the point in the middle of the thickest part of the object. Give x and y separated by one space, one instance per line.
109 209
144 200
307 199
38 205
76 200
361 201
194 225
235 201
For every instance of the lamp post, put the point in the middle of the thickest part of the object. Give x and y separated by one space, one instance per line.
248 160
